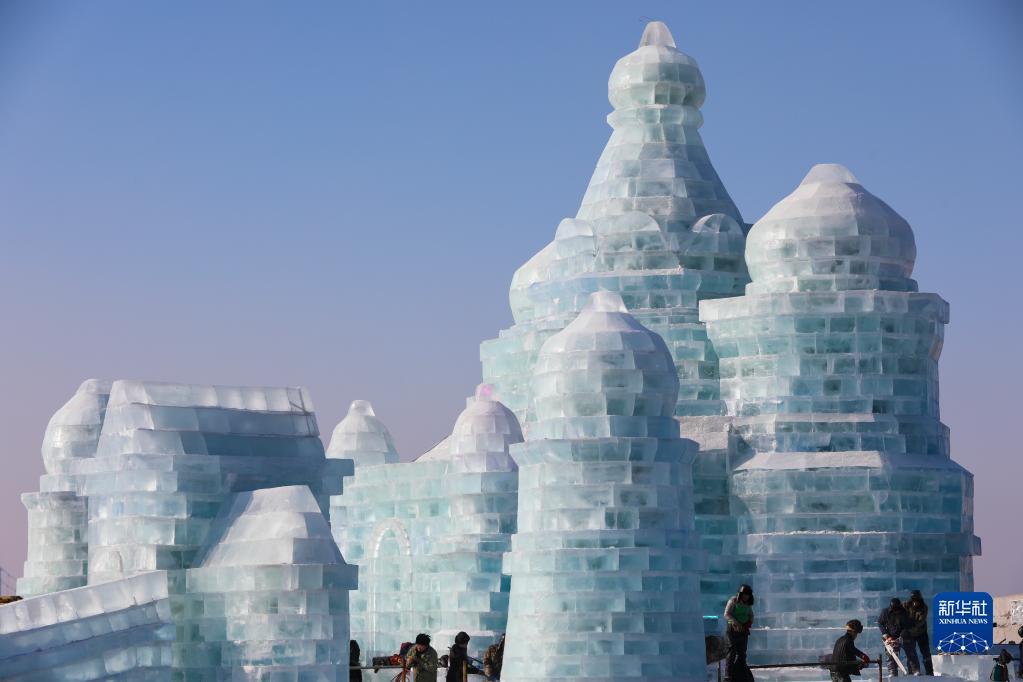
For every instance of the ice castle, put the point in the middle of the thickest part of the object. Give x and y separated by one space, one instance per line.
684 402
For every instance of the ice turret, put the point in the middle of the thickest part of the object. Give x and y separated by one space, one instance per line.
362 438
657 227
605 563
846 493
58 548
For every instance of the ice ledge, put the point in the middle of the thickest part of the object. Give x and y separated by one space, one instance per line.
869 459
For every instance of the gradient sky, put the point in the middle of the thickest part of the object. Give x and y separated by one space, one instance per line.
336 195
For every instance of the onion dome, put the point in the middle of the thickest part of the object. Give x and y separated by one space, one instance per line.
73 431
361 437
830 234
604 363
481 437
656 73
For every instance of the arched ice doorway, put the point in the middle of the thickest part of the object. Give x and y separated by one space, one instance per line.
389 586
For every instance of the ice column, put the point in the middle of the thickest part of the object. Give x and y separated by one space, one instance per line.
657 226
846 493
605 564
170 454
58 550
268 598
429 535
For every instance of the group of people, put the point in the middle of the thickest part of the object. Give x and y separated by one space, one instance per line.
903 627
423 659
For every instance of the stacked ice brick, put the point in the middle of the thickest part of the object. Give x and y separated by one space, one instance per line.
846 493
58 550
657 226
428 536
168 456
605 565
269 593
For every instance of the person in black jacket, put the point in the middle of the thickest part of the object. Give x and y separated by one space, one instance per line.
894 623
916 635
846 659
354 654
458 655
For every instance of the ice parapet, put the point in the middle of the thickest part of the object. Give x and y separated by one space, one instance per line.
829 364
57 515
428 536
605 564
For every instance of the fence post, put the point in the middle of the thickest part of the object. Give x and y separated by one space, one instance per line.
880 668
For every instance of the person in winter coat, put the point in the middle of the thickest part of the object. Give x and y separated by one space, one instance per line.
916 635
423 659
458 656
354 654
894 623
738 621
846 659
493 660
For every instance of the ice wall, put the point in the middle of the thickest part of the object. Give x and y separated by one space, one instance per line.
846 495
428 536
170 454
58 550
657 226
605 565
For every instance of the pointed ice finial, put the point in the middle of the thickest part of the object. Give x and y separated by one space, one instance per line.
657 33
606 302
830 173
361 407
484 392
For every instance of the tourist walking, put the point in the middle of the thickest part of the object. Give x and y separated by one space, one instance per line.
738 621
423 659
894 622
916 636
846 659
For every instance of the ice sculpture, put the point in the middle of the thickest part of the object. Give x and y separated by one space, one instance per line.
362 438
657 226
605 564
847 495
168 456
269 593
57 516
428 536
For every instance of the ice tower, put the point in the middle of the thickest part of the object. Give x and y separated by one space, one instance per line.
846 495
429 535
605 564
58 549
657 226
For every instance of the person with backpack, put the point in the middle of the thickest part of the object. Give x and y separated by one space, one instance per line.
846 659
916 635
894 623
738 621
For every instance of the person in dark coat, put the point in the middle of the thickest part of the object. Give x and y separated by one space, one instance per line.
354 654
894 623
846 659
458 656
738 621
916 635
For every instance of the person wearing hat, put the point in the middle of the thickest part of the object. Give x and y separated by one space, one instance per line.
423 659
916 635
894 623
846 659
738 621
458 658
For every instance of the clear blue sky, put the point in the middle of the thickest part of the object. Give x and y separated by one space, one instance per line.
335 195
